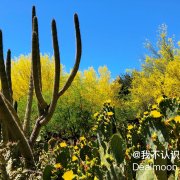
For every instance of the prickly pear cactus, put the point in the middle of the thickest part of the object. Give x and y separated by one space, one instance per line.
160 127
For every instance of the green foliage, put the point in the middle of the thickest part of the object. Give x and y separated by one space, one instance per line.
118 148
74 110
109 156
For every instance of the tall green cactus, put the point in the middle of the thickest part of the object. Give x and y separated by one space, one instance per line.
9 120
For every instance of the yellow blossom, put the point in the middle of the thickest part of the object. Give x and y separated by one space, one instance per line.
150 161
159 99
63 144
177 119
74 158
99 119
82 145
96 114
127 151
138 145
75 147
58 166
128 136
68 175
110 113
154 106
95 178
146 113
156 114
82 138
154 136
94 128
130 127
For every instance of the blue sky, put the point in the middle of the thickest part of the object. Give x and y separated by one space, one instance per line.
113 32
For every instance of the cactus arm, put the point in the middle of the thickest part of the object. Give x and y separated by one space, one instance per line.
57 65
12 111
56 58
3 76
27 117
35 132
15 105
14 128
8 72
78 57
43 120
33 15
38 93
35 29
57 68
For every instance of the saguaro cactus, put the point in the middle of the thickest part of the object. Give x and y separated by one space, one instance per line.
9 119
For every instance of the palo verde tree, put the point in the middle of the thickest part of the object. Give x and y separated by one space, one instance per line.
12 128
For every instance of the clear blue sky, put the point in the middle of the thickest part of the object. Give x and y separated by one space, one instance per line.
113 31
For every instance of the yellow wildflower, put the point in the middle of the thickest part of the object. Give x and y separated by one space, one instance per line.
130 127
96 114
58 166
76 148
150 161
82 145
159 99
177 119
63 144
99 119
154 106
110 113
68 175
127 151
74 158
95 178
94 128
155 114
146 113
82 138
138 145
128 135
154 136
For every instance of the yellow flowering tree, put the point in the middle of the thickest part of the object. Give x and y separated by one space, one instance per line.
21 74
87 94
160 75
